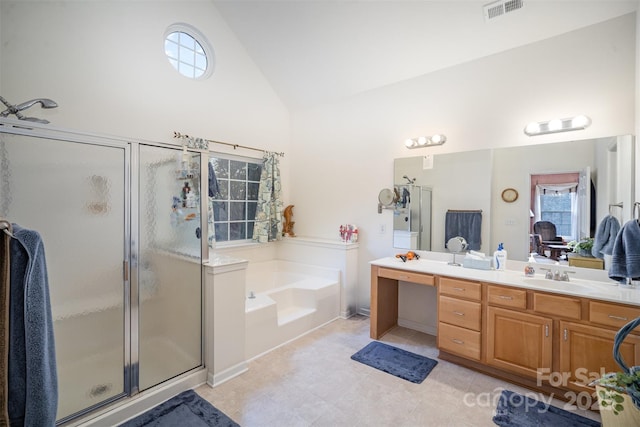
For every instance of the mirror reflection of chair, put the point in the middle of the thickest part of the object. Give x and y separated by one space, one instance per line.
549 240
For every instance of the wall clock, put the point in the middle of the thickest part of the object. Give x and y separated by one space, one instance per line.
509 195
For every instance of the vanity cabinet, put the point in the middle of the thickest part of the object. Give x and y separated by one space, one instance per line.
586 353
518 342
460 317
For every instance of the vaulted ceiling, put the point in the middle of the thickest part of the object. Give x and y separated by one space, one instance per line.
318 51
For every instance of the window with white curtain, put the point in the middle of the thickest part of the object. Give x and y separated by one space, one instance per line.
558 203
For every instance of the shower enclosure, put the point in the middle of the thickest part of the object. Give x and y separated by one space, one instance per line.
121 224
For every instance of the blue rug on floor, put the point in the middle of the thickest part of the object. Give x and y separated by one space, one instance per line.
515 410
185 410
395 361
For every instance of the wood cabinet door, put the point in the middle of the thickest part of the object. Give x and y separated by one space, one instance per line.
518 342
586 352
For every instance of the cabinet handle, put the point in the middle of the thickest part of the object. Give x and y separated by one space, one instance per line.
546 330
457 313
403 277
565 335
459 289
506 297
457 341
611 316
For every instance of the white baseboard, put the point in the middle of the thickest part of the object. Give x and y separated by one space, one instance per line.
216 379
427 329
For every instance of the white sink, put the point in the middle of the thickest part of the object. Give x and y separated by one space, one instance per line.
577 285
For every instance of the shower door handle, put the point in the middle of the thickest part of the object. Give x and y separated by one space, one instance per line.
125 270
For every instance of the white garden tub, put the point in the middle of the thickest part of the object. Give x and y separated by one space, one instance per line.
285 300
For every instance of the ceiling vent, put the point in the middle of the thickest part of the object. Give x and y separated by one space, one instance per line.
501 7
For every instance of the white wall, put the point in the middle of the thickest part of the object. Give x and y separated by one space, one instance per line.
103 62
343 152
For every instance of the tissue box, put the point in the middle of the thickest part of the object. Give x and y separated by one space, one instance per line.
479 264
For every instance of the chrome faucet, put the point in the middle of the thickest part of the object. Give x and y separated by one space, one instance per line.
560 277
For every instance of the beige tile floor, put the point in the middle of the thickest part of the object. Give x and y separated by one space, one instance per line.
313 382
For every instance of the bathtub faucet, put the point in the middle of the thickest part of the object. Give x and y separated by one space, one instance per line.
252 295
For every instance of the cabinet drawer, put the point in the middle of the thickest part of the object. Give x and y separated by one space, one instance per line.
611 314
459 340
507 297
407 276
460 288
466 314
559 306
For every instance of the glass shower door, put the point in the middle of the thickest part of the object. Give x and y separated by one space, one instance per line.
74 195
169 264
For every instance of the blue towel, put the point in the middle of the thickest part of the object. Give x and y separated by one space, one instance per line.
605 237
33 379
464 224
625 258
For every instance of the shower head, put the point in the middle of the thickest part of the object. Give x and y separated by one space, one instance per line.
410 181
44 102
15 109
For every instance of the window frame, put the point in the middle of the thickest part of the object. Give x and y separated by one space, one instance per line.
194 33
228 199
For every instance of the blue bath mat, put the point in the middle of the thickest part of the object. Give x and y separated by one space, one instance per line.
395 361
185 410
515 410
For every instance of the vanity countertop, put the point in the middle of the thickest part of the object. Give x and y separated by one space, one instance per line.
600 290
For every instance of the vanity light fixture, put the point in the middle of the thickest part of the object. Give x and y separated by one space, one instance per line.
425 141
558 125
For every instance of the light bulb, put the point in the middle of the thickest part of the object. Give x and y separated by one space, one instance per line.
409 143
580 121
437 139
532 128
422 140
555 124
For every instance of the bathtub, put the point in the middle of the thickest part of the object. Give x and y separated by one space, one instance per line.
285 300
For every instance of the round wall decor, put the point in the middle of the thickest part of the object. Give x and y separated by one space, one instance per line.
510 195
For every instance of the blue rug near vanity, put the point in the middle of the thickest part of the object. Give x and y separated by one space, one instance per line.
187 409
515 410
395 361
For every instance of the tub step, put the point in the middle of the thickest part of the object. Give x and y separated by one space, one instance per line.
293 313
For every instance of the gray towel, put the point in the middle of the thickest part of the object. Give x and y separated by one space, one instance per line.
464 224
605 237
33 380
625 258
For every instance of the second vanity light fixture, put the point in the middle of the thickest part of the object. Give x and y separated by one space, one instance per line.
425 141
557 125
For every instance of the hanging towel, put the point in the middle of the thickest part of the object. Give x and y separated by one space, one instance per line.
5 257
625 258
464 224
33 380
605 237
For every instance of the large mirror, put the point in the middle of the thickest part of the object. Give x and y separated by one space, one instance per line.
476 180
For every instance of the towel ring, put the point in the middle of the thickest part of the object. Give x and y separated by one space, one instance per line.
6 227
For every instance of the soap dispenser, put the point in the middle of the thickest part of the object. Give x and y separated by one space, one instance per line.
529 271
500 258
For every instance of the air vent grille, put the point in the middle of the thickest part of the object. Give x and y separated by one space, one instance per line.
502 7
